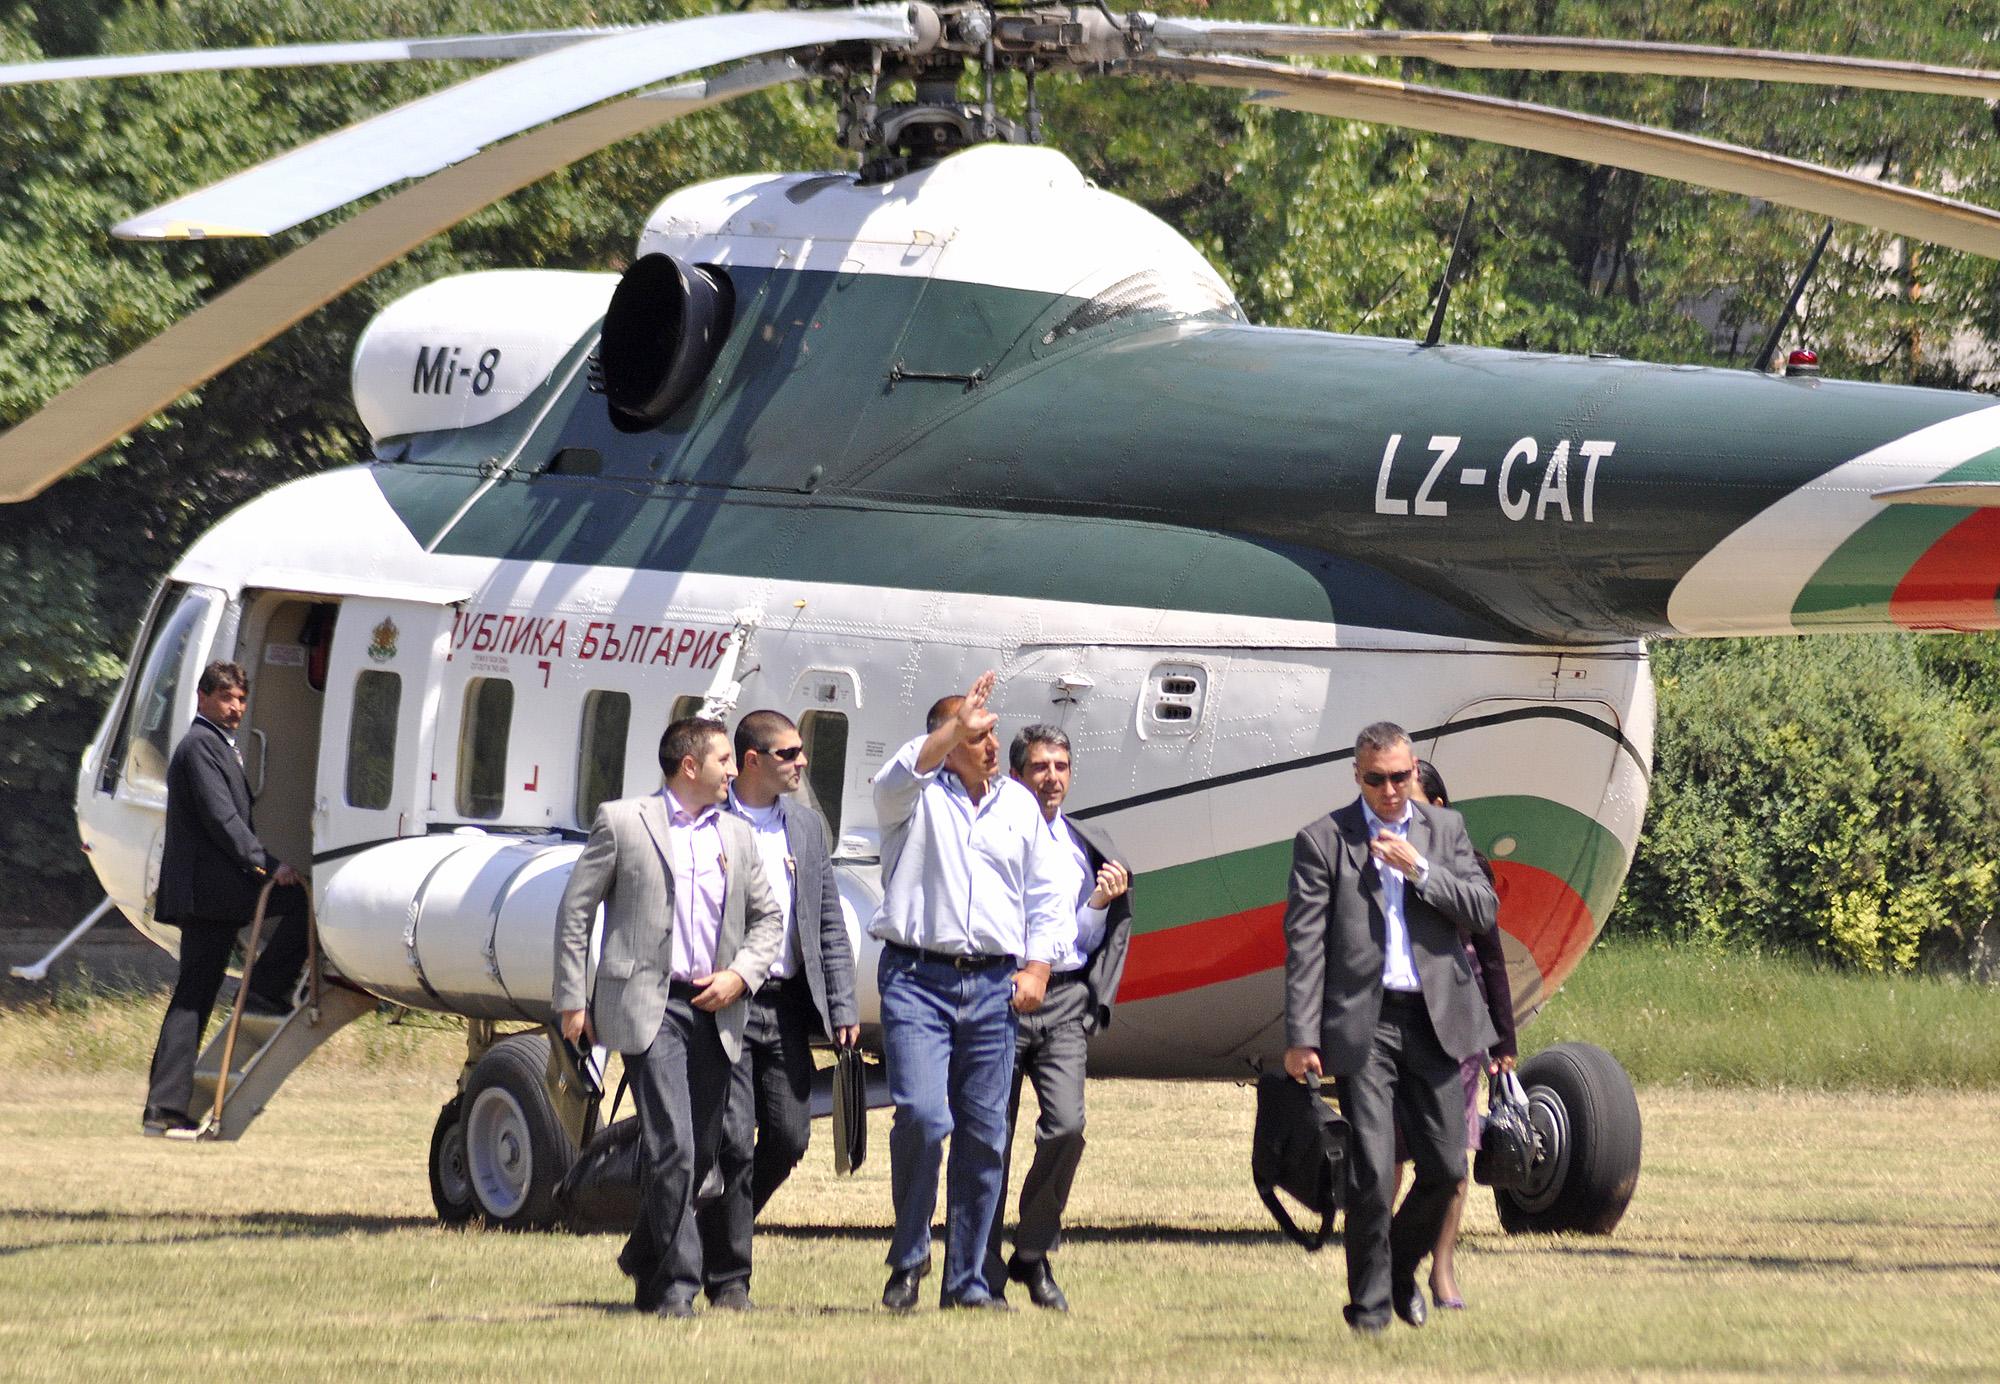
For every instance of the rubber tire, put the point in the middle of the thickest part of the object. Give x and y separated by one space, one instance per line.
1584 1085
513 1070
448 1142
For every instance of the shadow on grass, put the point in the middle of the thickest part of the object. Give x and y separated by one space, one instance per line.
250 1225
1140 1233
1763 1263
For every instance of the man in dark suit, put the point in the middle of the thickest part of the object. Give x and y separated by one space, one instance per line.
211 869
1379 991
810 988
1050 1045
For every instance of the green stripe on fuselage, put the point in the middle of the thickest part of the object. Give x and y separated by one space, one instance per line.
1855 583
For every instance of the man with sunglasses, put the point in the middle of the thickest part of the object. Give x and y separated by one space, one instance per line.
1379 993
810 987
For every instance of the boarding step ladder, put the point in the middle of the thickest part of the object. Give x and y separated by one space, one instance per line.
259 1051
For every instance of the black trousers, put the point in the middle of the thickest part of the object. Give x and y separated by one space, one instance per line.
1411 1079
770 1097
1051 1049
205 949
680 1084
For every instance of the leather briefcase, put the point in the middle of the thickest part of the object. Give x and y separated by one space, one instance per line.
1299 1146
1509 1145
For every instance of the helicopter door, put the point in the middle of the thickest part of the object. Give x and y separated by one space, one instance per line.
284 646
375 739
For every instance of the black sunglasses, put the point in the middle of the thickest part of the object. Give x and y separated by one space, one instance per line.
1375 780
786 755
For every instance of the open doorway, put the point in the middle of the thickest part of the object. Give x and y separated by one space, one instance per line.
284 646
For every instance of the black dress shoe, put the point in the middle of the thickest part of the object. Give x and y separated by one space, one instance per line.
1040 1282
977 1304
159 1124
899 1294
1409 1304
732 1297
677 1305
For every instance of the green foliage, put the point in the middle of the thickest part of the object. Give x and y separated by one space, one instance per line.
1827 796
1701 1016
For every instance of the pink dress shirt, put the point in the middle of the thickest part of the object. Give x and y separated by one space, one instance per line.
694 856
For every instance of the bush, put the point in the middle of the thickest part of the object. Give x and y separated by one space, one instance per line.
1823 796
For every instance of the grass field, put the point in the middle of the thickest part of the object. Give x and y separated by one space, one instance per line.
1774 1235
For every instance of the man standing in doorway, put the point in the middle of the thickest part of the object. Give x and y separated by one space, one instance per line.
212 868
810 987
972 905
1379 992
690 927
1052 1042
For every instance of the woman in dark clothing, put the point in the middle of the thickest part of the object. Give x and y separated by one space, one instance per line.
1489 965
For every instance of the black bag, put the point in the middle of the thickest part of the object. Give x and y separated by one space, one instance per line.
1509 1145
850 1110
601 1190
1300 1145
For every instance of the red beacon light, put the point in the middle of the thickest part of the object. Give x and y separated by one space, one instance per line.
1802 362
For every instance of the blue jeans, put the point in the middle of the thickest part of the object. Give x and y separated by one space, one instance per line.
948 1037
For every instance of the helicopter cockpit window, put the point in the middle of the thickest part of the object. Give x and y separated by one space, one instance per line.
482 747
154 719
371 738
1147 294
600 756
825 737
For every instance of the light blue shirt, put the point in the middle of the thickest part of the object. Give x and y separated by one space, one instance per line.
971 879
774 853
1399 964
1073 949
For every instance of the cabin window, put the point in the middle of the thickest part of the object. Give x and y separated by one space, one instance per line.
600 759
482 747
371 738
825 737
685 707
156 715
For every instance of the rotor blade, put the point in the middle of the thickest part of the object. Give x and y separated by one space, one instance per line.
466 48
1573 55
435 131
1594 139
102 407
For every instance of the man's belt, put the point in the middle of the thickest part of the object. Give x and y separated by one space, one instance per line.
1402 999
1056 978
958 961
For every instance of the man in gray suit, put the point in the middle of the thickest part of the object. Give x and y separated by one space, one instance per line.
1379 992
811 986
690 927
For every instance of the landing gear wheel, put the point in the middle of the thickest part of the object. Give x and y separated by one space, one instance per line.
451 1185
516 1149
1582 1103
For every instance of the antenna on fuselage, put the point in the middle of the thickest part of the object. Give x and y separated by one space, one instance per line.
1450 268
1792 303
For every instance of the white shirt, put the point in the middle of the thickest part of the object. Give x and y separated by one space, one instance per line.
971 879
1399 964
1073 951
774 852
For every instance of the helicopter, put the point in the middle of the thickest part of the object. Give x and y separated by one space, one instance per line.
837 440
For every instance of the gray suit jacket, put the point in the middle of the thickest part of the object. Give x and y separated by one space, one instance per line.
1106 970
826 959
1334 936
624 867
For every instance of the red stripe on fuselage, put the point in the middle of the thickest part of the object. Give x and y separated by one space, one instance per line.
1543 913
1953 585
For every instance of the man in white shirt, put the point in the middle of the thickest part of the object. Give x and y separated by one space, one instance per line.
1052 1042
972 907
810 987
1377 980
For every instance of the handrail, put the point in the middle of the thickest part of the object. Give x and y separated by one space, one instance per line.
243 990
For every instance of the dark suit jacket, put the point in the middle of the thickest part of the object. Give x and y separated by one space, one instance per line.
1107 964
212 863
819 934
1334 936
